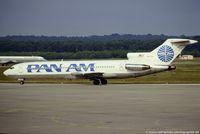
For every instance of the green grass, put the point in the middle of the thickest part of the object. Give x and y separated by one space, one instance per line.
186 72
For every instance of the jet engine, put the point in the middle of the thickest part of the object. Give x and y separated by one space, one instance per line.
137 67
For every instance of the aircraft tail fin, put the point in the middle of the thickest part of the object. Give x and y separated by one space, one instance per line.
163 54
170 49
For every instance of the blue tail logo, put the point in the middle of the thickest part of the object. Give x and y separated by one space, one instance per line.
165 53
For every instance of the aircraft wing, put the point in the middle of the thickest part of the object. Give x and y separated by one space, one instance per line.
88 75
7 61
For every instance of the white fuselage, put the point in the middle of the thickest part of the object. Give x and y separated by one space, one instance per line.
77 69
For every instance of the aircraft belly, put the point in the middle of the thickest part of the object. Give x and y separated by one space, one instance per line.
118 75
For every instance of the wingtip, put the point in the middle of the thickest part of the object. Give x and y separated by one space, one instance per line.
193 41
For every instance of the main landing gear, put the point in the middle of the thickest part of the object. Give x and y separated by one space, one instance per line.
100 81
21 81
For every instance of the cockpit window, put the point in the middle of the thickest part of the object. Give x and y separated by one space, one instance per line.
11 67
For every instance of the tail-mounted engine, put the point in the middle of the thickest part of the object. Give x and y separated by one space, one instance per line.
137 67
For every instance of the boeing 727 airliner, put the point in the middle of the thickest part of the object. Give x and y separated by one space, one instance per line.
137 64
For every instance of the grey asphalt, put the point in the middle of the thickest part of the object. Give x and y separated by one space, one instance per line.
88 109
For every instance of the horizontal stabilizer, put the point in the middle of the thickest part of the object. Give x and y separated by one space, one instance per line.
182 41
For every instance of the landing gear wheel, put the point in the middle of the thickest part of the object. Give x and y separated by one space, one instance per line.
96 82
21 82
101 81
104 81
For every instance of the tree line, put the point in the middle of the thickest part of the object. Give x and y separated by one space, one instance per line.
83 48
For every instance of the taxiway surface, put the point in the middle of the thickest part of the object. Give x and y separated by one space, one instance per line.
88 109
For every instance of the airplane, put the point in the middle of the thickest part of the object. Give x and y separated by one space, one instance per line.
98 71
5 60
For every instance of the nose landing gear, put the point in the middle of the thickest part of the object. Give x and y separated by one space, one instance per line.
21 81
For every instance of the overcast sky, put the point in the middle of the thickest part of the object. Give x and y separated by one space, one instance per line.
99 17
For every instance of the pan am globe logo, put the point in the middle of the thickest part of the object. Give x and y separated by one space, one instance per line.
165 53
